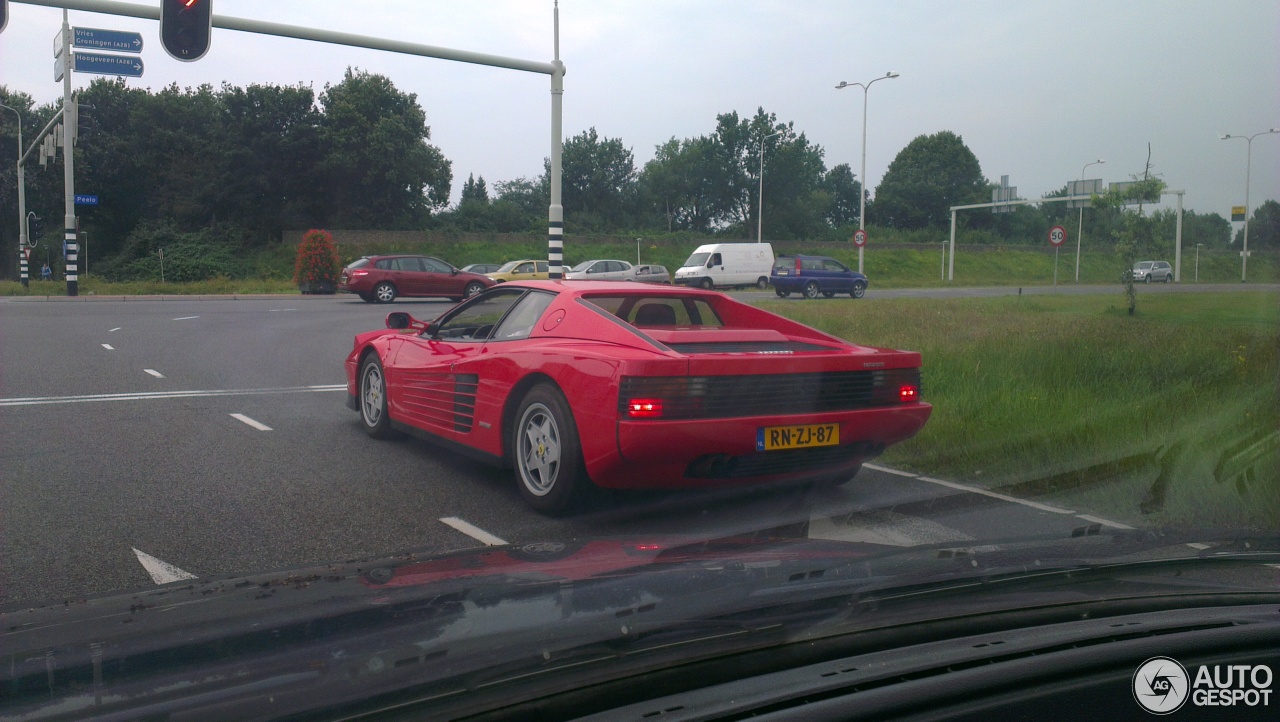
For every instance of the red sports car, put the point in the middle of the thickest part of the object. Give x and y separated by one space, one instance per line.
633 386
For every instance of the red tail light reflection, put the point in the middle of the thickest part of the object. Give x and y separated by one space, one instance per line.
908 393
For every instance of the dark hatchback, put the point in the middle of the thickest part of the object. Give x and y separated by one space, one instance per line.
382 279
813 275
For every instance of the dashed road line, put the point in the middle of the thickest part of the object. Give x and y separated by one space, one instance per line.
255 424
282 310
1198 545
113 330
473 531
161 572
108 347
149 395
155 373
185 318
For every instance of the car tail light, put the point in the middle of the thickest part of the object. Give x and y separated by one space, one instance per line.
907 393
797 266
359 273
644 408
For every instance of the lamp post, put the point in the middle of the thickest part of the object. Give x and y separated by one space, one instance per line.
1248 169
862 197
22 204
1080 225
1198 262
760 211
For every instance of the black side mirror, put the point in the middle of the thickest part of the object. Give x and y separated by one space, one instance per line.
453 271
432 329
398 320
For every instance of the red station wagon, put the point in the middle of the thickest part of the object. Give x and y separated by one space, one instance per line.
382 279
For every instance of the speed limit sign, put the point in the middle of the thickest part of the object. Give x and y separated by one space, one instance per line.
859 238
1057 236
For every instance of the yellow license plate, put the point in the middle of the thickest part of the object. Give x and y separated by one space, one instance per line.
772 438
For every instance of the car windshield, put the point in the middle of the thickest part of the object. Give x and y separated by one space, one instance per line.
872 307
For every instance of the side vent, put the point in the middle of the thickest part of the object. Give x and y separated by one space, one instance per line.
464 401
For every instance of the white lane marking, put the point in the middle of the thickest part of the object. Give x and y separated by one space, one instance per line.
281 310
1198 545
883 527
473 531
887 470
155 373
147 395
185 318
255 424
161 572
108 347
113 330
1104 522
994 495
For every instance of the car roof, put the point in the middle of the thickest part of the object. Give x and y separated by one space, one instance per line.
804 255
623 287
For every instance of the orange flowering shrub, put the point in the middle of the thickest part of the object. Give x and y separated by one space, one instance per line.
317 262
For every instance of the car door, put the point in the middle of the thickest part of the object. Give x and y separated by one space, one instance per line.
439 278
838 277
524 271
434 379
617 271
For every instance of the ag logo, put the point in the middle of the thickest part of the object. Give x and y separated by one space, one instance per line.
1160 685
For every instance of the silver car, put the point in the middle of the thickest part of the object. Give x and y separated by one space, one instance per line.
1148 271
598 270
651 274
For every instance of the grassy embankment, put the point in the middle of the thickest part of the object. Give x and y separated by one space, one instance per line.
92 285
1166 418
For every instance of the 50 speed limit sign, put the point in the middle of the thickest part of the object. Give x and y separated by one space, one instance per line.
859 238
1057 236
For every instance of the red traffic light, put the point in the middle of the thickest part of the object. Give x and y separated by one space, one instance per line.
186 27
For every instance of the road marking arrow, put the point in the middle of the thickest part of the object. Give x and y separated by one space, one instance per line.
161 572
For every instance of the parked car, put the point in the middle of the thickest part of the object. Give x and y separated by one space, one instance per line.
382 279
651 274
624 385
600 270
727 264
523 270
1147 271
484 268
813 275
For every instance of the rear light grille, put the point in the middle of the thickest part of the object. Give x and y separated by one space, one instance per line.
717 397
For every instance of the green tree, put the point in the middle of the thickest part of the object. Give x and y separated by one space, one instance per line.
474 191
598 181
843 187
931 174
378 170
1264 227
1136 235
679 184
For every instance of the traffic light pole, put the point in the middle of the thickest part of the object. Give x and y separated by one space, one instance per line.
555 69
23 274
68 163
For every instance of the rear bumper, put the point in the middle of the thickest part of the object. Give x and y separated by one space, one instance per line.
710 452
789 284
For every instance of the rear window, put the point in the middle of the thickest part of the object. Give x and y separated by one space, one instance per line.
645 311
358 264
785 262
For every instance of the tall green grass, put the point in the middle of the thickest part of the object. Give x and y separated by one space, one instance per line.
92 285
1072 398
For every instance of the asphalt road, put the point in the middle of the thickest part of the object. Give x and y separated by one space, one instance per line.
212 435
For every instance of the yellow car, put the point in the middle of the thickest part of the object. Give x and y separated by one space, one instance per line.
526 270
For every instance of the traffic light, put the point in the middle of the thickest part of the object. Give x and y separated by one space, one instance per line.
85 124
35 230
185 27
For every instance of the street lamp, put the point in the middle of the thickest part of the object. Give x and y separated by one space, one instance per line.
1080 225
760 212
22 203
1198 262
1248 169
862 197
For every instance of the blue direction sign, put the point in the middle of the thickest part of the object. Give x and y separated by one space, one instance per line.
107 64
97 39
86 200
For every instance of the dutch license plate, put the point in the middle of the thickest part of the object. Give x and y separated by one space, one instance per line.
772 438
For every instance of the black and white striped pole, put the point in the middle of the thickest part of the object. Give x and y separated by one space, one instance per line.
68 163
555 214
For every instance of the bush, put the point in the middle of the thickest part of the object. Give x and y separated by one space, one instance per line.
317 264
208 253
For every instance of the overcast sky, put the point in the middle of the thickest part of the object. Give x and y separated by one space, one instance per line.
1035 89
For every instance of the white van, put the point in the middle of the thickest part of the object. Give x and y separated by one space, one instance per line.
728 264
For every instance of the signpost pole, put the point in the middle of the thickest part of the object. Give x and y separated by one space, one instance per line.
68 164
1055 265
